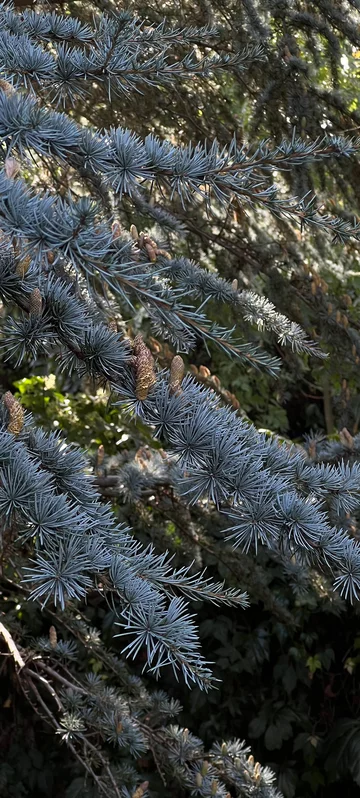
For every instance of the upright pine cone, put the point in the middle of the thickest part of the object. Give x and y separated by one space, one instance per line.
35 303
177 370
16 413
144 367
53 637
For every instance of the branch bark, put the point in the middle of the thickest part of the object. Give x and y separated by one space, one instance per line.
14 651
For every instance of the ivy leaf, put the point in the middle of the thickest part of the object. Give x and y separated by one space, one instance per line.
273 737
315 778
327 657
257 726
314 664
287 781
300 741
289 679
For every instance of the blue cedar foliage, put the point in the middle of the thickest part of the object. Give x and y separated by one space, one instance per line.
119 51
46 492
270 494
55 253
124 162
121 712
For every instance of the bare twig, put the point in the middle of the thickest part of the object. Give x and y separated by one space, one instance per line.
14 651
60 678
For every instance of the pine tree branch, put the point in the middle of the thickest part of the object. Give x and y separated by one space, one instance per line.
14 651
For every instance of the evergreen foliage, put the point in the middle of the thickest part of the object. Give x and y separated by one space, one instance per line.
73 284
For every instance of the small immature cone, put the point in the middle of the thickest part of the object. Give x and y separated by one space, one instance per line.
116 229
312 449
167 352
23 265
53 637
16 413
204 372
257 771
35 302
140 790
234 285
11 167
156 347
7 88
164 253
177 370
134 232
145 368
143 454
150 251
346 438
100 455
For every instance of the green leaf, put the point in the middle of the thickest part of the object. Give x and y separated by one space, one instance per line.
273 737
300 741
289 679
327 657
314 664
315 778
257 726
287 781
